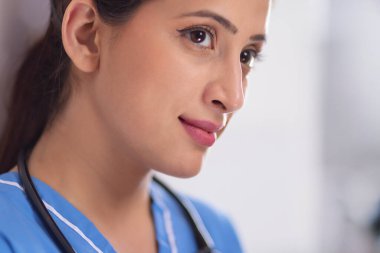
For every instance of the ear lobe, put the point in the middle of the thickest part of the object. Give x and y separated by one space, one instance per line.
80 35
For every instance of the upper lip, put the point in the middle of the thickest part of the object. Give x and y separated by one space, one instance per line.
205 125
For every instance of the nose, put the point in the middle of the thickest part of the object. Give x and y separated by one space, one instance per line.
225 92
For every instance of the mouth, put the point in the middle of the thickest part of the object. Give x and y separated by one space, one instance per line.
202 132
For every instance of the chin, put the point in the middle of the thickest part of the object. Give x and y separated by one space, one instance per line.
184 168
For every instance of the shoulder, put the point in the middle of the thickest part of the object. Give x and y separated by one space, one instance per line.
20 230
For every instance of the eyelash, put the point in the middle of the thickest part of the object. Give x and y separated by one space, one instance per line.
186 33
256 54
206 29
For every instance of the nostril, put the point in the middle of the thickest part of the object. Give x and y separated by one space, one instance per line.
219 104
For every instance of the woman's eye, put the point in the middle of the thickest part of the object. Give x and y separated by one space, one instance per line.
202 37
247 57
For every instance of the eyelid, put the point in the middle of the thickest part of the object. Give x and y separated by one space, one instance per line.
258 58
258 52
256 48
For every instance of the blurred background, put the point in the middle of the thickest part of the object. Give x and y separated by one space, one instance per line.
298 170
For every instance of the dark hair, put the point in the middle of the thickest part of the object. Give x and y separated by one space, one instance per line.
41 90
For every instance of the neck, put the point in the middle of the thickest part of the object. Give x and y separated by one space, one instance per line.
78 161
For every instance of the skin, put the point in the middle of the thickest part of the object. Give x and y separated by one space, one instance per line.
131 83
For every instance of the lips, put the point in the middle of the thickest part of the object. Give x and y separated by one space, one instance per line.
202 132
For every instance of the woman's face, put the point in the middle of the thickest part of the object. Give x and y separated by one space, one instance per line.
173 74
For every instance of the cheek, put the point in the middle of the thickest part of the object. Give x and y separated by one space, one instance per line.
140 101
154 75
145 85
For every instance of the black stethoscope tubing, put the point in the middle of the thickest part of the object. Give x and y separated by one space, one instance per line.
204 246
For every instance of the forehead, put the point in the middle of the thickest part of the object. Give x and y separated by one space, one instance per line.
248 15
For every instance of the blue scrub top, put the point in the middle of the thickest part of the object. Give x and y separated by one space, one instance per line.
21 230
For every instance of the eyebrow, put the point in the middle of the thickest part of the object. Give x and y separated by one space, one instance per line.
258 37
224 22
218 18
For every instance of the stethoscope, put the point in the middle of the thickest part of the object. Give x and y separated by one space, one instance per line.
204 244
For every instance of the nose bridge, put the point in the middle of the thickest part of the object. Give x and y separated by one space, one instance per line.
230 84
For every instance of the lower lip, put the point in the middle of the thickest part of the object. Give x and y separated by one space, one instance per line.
200 136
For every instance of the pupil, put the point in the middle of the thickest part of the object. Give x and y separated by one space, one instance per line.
245 57
198 36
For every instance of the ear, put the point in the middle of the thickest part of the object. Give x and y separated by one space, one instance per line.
80 34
